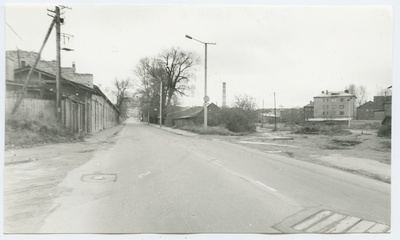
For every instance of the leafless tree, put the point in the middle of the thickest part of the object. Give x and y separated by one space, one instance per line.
360 92
179 67
120 88
245 102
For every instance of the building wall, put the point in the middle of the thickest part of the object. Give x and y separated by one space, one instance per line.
103 114
32 109
334 107
308 112
366 111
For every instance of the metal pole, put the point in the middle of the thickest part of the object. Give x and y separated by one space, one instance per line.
205 87
161 87
349 111
262 115
275 111
58 76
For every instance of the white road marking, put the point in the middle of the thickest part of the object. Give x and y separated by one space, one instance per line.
309 222
265 186
326 222
142 175
361 227
344 224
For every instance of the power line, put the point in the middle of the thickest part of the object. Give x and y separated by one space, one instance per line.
51 66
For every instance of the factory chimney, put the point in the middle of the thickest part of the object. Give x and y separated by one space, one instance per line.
224 94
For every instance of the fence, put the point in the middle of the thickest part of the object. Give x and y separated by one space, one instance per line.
75 115
32 109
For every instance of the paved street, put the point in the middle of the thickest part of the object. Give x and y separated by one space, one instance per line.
154 181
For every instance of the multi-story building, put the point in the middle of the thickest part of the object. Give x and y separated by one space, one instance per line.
331 105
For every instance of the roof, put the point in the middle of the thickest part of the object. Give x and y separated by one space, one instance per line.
366 104
49 67
191 112
311 104
335 94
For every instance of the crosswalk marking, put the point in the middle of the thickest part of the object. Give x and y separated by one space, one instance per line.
331 222
309 222
344 225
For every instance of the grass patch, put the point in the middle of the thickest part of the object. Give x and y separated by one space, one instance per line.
22 133
210 130
332 130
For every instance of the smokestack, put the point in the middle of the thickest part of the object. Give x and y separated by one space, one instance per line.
224 94
73 66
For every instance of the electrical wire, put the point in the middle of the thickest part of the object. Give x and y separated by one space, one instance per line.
51 66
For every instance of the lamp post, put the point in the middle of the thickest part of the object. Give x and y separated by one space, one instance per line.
206 98
349 100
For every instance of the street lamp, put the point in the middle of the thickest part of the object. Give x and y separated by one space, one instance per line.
206 98
349 100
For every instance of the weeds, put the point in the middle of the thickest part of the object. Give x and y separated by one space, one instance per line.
22 133
210 130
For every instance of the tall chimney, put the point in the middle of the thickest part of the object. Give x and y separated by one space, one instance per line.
73 66
224 94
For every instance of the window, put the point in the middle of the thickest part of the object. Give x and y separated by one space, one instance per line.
342 100
334 100
341 106
341 113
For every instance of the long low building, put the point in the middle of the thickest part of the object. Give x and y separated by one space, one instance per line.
84 109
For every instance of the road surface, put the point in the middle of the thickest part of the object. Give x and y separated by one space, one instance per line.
155 181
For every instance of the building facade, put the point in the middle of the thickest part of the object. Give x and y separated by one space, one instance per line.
84 107
331 105
366 111
308 111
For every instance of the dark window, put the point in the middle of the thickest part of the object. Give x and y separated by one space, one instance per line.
341 112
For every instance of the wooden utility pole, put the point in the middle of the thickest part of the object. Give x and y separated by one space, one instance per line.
275 111
28 78
161 88
58 74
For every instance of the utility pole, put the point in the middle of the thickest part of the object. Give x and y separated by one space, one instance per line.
58 75
275 111
262 115
28 78
161 88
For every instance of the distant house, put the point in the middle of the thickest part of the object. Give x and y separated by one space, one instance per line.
334 105
195 116
308 111
366 111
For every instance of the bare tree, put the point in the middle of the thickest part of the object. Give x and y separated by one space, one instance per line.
121 86
179 67
245 102
360 92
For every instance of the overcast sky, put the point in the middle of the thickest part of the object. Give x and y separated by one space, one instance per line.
296 52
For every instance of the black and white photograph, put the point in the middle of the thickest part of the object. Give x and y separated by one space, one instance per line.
249 120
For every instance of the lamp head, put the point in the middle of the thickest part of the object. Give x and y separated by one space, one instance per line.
187 36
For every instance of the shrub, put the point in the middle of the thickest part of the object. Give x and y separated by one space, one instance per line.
385 131
238 120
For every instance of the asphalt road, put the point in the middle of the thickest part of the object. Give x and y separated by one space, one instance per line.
154 181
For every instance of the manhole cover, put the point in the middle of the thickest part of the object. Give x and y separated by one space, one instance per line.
99 177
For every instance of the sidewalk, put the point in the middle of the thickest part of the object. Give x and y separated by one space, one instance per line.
174 130
24 155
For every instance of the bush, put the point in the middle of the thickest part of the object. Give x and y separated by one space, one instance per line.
209 131
385 131
238 120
